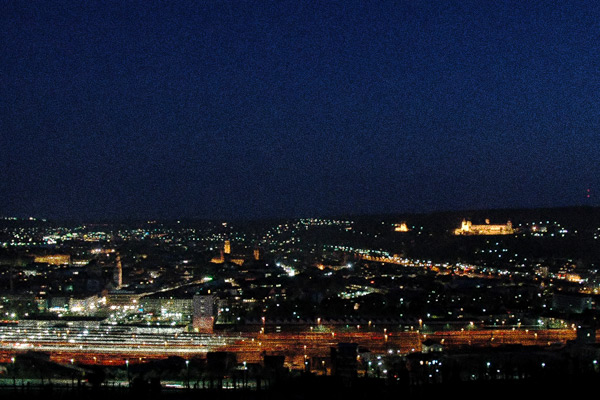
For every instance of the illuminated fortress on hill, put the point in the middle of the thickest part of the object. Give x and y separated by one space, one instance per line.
401 227
467 228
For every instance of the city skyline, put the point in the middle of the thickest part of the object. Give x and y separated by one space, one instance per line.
275 199
285 109
428 302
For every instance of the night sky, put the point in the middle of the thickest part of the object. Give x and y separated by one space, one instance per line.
231 109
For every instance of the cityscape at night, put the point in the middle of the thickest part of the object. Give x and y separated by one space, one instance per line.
299 199
409 300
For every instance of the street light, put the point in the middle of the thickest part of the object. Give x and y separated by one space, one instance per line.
245 374
14 371
187 367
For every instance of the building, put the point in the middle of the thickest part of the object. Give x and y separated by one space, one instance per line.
401 227
54 259
203 313
227 247
122 299
58 304
175 308
467 228
220 259
118 274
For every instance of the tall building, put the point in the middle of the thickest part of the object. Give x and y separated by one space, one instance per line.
118 274
203 313
257 254
227 247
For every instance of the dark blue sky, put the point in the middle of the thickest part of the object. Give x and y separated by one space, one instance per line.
227 109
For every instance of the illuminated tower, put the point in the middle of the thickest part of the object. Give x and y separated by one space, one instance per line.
118 276
227 247
257 254
466 225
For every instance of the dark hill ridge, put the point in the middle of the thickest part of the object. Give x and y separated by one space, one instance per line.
578 218
574 217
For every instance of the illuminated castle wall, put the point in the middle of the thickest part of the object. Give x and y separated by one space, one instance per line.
467 228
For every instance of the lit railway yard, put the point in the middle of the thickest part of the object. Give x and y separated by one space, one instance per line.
113 345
